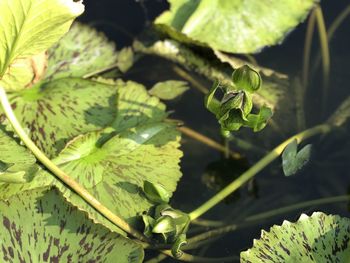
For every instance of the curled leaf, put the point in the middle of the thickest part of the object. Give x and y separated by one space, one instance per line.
156 192
164 224
258 121
176 248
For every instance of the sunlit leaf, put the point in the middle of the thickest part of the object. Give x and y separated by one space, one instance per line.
29 27
293 160
169 90
318 238
57 111
113 163
236 26
41 226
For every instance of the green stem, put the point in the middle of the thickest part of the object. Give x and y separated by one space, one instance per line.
250 173
307 49
75 186
322 31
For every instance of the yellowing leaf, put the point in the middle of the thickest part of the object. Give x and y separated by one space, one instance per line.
27 28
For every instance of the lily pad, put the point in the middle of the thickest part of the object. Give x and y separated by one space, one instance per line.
80 52
29 27
235 26
17 164
294 160
57 111
113 163
318 238
41 226
169 90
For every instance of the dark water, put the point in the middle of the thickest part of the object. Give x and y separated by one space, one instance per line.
328 172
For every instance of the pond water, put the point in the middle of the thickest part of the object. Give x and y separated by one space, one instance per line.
326 175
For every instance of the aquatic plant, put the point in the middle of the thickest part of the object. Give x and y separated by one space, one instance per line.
88 163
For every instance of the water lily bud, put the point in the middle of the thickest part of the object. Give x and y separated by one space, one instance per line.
156 192
246 78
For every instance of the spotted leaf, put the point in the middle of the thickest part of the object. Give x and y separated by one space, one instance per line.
41 226
318 238
113 163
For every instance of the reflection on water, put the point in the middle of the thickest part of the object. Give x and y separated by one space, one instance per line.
326 175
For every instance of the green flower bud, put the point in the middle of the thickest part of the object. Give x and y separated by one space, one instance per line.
246 78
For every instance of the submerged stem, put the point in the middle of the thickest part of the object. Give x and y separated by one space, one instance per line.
322 32
250 173
74 185
307 49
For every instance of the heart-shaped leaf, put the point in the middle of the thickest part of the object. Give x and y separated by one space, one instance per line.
292 160
41 226
236 26
318 238
29 27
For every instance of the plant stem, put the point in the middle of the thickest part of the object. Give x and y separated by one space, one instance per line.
195 83
322 31
207 141
75 186
307 49
250 173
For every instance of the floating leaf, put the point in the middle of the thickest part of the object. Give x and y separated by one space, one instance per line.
25 33
234 26
156 192
41 226
318 238
58 111
113 163
17 164
80 52
169 90
292 160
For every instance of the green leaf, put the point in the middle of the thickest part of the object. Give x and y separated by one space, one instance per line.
113 163
156 192
235 26
163 225
57 111
29 27
176 248
17 164
210 102
318 238
80 52
247 79
293 161
41 226
148 222
236 101
169 90
258 121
